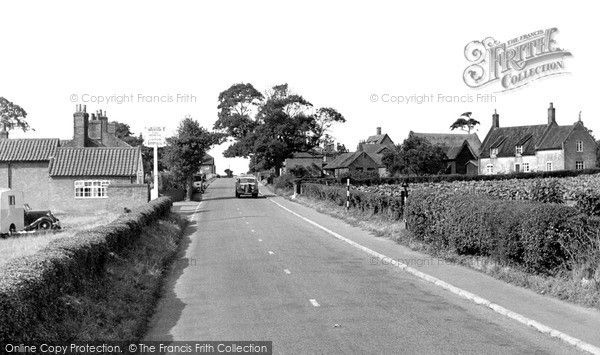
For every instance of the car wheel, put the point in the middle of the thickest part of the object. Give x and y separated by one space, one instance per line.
12 230
44 225
254 195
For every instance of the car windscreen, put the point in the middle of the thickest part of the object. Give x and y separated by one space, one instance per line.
247 181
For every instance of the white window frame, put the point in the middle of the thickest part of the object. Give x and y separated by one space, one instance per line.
579 146
519 150
84 189
493 152
489 169
548 166
525 167
582 165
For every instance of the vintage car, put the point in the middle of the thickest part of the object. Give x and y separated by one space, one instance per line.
41 219
246 185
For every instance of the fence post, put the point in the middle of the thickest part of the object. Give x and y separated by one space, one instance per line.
348 194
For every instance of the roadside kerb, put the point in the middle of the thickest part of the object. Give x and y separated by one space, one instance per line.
578 343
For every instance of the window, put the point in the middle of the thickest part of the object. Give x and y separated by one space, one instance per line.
525 167
579 165
549 166
489 169
518 150
91 188
580 146
493 152
12 200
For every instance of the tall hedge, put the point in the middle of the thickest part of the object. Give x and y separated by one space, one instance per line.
34 289
541 237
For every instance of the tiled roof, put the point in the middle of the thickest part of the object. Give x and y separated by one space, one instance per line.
207 159
555 137
308 155
452 143
372 148
377 139
106 161
27 150
346 159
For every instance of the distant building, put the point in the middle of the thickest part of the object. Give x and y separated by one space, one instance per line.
376 146
208 165
546 147
462 150
308 160
354 162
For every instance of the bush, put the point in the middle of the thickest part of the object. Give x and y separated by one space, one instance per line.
285 181
389 207
549 192
588 202
34 288
535 235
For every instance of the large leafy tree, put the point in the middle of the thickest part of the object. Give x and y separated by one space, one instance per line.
465 123
270 127
12 116
415 156
184 151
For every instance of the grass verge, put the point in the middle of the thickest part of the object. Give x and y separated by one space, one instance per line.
117 305
565 286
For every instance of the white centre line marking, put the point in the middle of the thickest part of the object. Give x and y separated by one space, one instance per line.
271 253
314 302
287 271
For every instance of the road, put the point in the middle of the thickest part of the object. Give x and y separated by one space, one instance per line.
249 270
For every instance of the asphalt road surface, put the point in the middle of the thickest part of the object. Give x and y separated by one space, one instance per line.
249 270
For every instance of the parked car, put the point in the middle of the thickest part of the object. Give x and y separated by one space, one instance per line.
40 219
246 185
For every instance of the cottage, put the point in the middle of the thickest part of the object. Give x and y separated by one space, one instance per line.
309 160
462 150
546 147
355 162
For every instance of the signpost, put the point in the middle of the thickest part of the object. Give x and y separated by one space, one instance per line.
155 137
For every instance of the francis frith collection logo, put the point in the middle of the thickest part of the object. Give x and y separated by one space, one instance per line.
514 63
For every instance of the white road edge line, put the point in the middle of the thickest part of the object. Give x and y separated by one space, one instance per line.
191 218
314 302
578 343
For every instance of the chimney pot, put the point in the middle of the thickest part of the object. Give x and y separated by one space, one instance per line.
551 114
378 131
495 119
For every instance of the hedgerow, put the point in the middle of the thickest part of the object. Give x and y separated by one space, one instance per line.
541 237
34 288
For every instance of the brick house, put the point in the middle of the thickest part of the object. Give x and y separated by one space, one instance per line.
24 166
94 171
101 178
546 147
462 150
376 146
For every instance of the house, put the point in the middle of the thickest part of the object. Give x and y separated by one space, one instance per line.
94 171
462 150
24 166
354 162
545 147
208 165
379 138
92 179
309 160
376 146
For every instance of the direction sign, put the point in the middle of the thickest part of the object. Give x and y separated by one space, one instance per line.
156 136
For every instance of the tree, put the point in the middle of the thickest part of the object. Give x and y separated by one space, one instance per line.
229 172
123 132
12 116
184 151
465 123
271 127
415 156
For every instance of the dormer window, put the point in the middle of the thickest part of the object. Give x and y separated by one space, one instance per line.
493 152
518 150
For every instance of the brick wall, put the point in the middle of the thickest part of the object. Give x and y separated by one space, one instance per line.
120 194
29 177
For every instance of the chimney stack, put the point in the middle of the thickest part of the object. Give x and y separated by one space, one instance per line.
378 131
551 114
495 120
80 126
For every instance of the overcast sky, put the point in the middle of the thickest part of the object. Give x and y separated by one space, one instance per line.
56 54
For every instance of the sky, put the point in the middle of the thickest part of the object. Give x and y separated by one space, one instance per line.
153 63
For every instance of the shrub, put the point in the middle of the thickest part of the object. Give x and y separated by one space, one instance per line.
547 191
535 235
33 288
588 202
284 181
